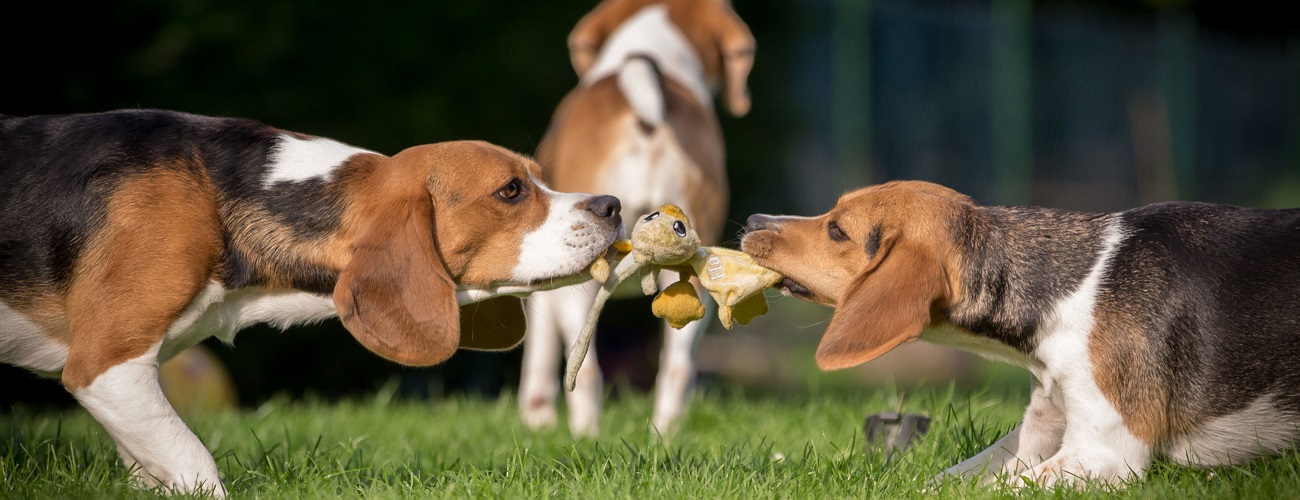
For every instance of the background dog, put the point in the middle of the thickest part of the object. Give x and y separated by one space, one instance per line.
1168 330
131 235
640 125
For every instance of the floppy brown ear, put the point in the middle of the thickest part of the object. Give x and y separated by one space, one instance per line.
395 295
736 44
886 305
495 324
588 35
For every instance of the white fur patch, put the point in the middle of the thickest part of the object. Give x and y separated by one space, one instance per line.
294 159
640 85
127 400
650 33
647 171
1096 442
23 344
565 243
217 312
1262 427
184 332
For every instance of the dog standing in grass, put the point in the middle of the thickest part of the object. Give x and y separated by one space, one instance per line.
128 236
640 126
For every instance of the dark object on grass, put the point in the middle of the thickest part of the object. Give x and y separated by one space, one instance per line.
893 431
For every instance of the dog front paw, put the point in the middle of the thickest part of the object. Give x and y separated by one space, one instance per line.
1077 470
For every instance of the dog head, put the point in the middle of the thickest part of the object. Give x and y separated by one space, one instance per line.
720 38
461 214
883 256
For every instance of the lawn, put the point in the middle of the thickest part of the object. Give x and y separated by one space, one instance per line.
735 443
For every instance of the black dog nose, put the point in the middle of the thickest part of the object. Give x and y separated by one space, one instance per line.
604 206
758 222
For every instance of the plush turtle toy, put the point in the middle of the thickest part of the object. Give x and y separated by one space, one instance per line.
664 240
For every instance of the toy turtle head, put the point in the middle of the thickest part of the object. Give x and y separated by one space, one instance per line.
664 237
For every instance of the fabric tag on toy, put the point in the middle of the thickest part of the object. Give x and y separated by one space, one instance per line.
735 281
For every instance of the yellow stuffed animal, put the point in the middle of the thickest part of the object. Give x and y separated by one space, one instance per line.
662 240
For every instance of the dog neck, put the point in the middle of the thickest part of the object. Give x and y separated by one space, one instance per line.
1020 262
287 234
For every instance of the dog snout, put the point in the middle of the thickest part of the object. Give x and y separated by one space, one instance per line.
605 207
759 222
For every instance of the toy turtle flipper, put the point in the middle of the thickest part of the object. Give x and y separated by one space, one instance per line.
678 304
600 268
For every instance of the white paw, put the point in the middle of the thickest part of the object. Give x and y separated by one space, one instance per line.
1076 470
664 425
538 413
584 427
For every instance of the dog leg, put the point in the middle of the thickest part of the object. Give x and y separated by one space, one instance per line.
137 472
1042 430
554 315
585 401
538 385
133 288
1091 458
1095 444
675 382
1036 438
127 400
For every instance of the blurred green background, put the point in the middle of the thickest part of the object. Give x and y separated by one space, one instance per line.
1093 105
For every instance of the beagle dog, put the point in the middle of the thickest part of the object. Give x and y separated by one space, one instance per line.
640 125
1167 330
127 236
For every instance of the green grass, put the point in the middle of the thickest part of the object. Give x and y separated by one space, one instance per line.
734 444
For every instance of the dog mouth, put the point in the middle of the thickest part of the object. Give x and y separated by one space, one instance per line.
794 288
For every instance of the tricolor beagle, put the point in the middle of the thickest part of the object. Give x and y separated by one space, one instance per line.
640 125
1169 330
127 236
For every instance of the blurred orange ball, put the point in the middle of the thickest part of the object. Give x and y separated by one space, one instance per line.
196 382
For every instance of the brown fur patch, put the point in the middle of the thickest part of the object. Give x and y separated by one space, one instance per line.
1129 375
889 304
394 294
265 243
582 136
158 245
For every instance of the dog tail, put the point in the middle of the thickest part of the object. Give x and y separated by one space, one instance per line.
640 82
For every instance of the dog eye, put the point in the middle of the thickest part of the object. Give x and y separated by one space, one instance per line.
679 228
510 191
650 217
835 233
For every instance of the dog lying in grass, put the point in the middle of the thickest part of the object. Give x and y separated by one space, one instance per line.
1169 330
